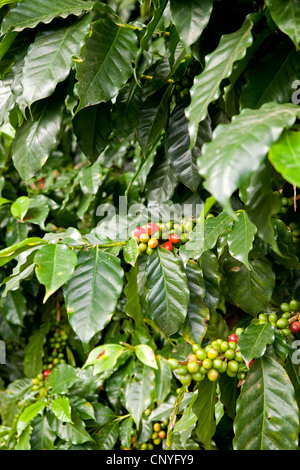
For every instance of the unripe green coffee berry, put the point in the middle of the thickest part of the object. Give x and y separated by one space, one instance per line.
223 367
193 367
173 363
185 379
293 305
233 366
217 363
142 247
202 370
201 354
239 331
195 347
230 373
286 315
198 376
182 370
263 318
273 318
232 345
224 346
229 354
207 363
212 375
212 353
238 356
285 307
282 323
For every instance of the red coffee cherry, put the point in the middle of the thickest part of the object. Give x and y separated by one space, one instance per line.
295 327
151 228
174 238
168 246
46 373
233 338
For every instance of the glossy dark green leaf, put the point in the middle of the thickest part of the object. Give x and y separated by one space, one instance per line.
254 340
139 391
42 437
92 129
161 183
14 307
133 305
28 13
204 409
197 318
36 139
286 16
49 60
240 238
205 238
126 110
34 353
106 437
190 18
248 138
61 378
177 144
267 413
218 66
285 156
250 289
55 265
273 77
92 292
153 117
169 294
106 67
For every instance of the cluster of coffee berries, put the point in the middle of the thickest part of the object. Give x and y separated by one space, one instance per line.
38 382
183 86
285 202
157 436
15 346
56 342
217 357
295 229
288 322
166 234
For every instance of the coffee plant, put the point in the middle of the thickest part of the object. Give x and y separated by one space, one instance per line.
149 225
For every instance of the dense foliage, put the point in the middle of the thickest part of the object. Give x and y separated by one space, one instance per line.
149 227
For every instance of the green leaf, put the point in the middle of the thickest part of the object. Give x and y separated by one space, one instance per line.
36 138
250 289
125 112
7 254
92 292
267 413
125 432
104 357
262 204
55 264
92 128
42 437
33 361
190 18
138 392
72 433
107 436
287 17
168 296
49 60
91 177
197 318
218 66
28 414
130 251
161 182
61 378
14 307
254 340
205 238
204 409
248 138
163 379
285 156
240 238
19 207
133 306
108 54
146 355
62 409
273 77
24 439
28 13
177 144
153 117
38 211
